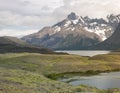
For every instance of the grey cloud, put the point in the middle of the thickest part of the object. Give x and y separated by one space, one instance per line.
46 8
92 8
14 32
35 14
27 7
30 14
10 19
20 16
25 3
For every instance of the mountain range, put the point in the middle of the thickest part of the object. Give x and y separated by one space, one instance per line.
75 32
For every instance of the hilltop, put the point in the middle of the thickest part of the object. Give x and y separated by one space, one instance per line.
15 45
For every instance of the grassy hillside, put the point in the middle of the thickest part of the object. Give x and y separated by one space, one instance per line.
15 45
29 72
12 41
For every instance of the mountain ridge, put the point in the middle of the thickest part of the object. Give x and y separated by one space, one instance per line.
14 45
89 31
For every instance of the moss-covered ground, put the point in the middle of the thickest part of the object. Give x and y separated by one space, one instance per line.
29 72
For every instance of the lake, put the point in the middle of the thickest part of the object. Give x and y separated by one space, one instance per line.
85 52
101 81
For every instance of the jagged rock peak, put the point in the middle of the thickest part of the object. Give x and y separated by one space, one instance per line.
72 16
112 18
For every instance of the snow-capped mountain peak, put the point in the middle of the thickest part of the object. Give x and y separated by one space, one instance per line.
101 27
75 32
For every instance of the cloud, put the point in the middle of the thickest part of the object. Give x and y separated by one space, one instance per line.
17 20
92 8
30 14
46 8
18 15
28 7
16 33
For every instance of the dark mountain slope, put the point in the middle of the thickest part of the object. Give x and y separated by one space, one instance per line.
112 43
13 44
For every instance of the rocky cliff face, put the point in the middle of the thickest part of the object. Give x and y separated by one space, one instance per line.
74 32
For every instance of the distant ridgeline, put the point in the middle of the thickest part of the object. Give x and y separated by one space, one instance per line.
15 45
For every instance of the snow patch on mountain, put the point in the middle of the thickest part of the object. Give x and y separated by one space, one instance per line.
73 29
57 29
75 21
67 23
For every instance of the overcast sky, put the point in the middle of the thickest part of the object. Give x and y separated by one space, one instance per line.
22 17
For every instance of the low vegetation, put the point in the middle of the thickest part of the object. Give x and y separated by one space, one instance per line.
29 72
